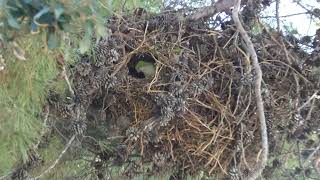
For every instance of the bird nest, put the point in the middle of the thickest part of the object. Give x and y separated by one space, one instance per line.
197 112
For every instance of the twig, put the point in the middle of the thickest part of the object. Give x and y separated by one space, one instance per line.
308 101
312 154
259 101
285 16
310 110
57 160
309 11
44 125
277 15
65 76
5 177
219 6
300 161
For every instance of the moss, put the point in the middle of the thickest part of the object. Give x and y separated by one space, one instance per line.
23 90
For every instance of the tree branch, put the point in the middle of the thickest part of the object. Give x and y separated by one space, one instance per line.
57 160
277 15
264 137
65 76
219 6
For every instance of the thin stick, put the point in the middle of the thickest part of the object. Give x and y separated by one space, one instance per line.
44 125
57 160
300 161
259 101
312 154
277 15
308 101
65 76
217 7
285 16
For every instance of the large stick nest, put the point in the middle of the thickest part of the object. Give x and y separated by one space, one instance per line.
198 111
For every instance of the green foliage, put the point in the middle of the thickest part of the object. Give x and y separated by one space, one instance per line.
53 17
129 5
56 17
27 28
23 89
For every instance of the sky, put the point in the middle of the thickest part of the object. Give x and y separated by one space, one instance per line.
302 23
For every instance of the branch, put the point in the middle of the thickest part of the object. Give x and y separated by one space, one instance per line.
308 101
312 154
57 160
309 11
65 76
44 126
285 16
277 15
300 161
259 101
219 6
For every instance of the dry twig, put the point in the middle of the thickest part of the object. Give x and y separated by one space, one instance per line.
57 160
277 15
44 125
219 6
65 76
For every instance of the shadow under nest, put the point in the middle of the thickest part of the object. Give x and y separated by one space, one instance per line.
197 111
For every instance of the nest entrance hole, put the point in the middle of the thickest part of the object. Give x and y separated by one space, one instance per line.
146 57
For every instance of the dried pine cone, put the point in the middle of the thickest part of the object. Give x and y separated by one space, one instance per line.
132 134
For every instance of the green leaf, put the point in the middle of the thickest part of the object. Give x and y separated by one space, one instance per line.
18 13
58 11
43 11
101 30
64 22
44 17
84 44
27 1
45 20
37 4
53 40
89 27
13 22
64 18
34 28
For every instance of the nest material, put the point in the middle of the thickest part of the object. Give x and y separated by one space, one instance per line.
198 112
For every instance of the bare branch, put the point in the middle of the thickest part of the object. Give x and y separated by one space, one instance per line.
219 6
311 12
312 154
57 160
300 161
44 126
277 15
308 101
250 48
285 16
65 76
